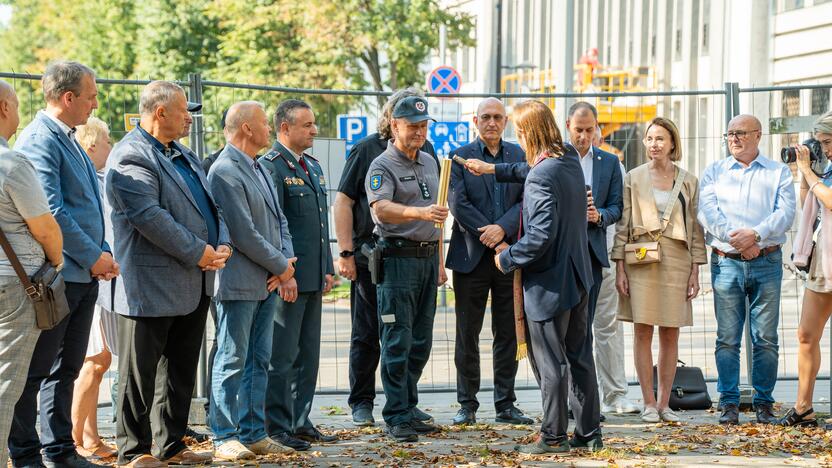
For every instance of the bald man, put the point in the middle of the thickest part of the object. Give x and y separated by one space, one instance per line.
486 215
248 292
746 205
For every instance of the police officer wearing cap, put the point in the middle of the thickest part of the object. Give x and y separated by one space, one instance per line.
301 189
402 187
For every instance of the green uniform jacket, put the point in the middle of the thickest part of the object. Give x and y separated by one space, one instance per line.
303 199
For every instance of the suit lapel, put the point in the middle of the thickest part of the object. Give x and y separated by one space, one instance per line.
293 164
167 165
78 156
596 172
248 170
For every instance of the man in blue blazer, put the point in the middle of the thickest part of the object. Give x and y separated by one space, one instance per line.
171 238
71 187
486 214
601 171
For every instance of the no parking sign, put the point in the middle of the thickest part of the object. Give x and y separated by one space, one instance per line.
444 80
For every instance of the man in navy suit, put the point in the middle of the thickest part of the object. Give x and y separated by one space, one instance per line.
486 214
71 187
602 173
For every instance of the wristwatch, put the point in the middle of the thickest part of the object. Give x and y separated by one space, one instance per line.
757 237
346 253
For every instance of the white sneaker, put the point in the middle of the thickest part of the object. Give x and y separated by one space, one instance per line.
650 415
267 445
620 405
233 450
668 415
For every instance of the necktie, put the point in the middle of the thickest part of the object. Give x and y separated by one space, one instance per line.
302 162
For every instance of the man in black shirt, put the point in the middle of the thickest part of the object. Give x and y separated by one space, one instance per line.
353 228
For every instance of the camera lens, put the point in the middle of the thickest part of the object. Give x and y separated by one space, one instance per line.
788 155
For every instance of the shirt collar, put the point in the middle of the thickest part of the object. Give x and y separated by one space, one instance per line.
240 153
3 142
588 154
69 132
156 143
484 148
760 160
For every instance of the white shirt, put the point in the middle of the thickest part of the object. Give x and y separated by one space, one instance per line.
64 127
586 165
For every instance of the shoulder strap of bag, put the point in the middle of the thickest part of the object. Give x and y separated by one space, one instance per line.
671 202
31 290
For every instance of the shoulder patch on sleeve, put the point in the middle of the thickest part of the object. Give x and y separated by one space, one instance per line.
375 181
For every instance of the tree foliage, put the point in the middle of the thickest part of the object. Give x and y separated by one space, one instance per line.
349 44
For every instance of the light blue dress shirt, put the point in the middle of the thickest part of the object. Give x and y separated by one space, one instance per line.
760 197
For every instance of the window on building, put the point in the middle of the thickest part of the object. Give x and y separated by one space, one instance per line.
527 36
677 35
790 107
786 5
653 46
702 142
820 101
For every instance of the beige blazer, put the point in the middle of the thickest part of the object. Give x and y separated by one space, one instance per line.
640 215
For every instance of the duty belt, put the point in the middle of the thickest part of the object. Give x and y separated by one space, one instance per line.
736 256
399 247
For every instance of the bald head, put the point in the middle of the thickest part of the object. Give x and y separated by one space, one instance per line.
9 118
240 113
746 121
247 127
491 122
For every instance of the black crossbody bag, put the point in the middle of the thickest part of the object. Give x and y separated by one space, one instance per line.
46 289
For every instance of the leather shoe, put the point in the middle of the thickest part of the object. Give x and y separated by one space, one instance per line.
464 416
402 433
314 435
591 443
146 461
765 414
72 460
539 447
284 438
199 437
187 456
730 414
513 415
423 427
363 416
38 463
421 415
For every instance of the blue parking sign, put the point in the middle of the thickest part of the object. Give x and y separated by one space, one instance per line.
352 128
448 136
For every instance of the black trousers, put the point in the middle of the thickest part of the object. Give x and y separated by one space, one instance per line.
471 295
56 363
557 347
156 352
365 346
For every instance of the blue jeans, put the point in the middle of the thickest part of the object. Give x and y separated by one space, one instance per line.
733 282
241 369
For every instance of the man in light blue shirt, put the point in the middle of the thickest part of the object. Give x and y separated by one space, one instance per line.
746 205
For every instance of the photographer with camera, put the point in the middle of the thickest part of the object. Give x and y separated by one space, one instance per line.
812 159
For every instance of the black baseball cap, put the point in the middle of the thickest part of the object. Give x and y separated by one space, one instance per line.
194 106
412 108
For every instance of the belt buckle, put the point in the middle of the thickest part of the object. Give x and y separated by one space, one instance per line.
424 244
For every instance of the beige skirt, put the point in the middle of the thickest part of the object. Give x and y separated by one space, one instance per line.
815 279
658 291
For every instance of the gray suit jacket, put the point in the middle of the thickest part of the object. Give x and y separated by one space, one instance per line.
160 234
259 232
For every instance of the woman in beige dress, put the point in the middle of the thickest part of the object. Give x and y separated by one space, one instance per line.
659 294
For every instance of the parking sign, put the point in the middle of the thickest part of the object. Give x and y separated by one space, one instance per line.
448 136
352 128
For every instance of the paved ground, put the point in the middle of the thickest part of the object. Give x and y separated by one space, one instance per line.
697 441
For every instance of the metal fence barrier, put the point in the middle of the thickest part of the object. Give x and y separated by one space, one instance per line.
701 116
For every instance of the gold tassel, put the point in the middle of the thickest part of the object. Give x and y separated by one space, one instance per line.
522 352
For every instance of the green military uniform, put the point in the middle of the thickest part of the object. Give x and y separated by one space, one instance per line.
293 372
407 293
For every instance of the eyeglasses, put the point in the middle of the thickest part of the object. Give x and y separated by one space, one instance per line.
496 117
741 135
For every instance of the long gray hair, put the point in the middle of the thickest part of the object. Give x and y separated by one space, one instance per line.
824 123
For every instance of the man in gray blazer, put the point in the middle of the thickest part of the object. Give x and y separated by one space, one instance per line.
247 301
170 239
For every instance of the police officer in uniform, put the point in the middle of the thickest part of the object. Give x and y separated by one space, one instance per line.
301 189
402 187
353 229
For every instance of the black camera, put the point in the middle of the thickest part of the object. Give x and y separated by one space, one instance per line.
789 154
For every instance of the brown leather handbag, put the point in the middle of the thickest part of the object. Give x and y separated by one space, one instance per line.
644 253
46 289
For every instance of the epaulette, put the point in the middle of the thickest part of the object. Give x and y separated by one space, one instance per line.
307 155
271 155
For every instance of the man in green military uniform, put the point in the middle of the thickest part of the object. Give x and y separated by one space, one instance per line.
301 189
402 187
